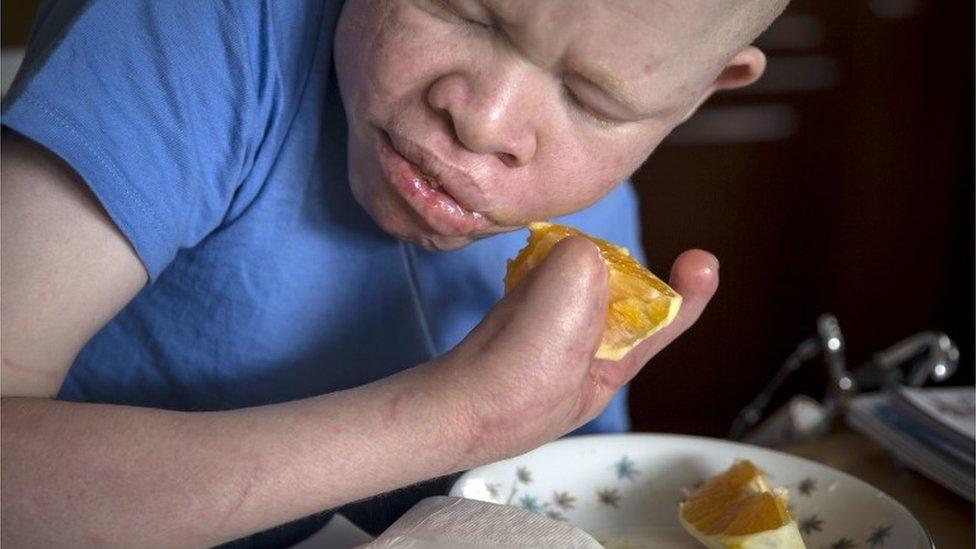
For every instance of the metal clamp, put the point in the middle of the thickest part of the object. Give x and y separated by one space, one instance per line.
932 355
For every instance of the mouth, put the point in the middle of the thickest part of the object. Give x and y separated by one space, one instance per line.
430 180
424 183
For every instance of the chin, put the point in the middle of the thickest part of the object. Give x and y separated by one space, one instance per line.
402 224
437 243
426 239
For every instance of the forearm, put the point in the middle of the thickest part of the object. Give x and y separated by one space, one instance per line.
84 474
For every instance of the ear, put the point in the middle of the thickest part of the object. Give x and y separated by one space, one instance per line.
743 69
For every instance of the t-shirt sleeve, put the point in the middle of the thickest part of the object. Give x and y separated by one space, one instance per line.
159 106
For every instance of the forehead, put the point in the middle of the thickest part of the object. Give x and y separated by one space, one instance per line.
558 29
641 44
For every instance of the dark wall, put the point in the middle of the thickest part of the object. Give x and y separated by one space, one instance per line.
842 182
16 17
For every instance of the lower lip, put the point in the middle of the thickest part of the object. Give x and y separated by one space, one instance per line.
441 212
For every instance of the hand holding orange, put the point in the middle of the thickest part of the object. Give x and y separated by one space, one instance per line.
640 303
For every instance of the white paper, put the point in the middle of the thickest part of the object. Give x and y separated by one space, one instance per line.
443 522
338 533
922 457
954 408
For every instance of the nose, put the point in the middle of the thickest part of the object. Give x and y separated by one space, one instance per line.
489 114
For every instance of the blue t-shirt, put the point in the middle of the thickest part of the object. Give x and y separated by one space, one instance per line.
213 135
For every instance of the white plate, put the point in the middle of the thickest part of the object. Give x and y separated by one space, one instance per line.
625 489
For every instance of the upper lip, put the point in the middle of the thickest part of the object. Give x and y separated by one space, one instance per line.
450 178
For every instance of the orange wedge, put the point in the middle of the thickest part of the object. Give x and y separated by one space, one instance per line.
738 509
640 303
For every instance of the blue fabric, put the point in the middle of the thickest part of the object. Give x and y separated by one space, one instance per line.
213 135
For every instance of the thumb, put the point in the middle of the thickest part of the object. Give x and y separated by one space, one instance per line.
558 310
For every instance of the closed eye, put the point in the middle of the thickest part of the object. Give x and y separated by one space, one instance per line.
583 108
448 11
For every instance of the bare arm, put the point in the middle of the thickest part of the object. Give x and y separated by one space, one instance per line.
65 268
120 476
87 474
112 474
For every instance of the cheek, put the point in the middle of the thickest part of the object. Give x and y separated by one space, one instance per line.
578 173
398 56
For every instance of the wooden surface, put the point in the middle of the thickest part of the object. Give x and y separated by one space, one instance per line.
947 517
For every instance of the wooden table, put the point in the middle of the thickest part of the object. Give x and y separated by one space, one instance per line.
947 517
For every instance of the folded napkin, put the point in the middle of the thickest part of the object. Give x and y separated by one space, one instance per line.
443 522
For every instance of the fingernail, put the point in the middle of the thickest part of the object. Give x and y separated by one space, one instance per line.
714 260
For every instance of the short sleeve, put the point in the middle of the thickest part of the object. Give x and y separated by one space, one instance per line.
158 105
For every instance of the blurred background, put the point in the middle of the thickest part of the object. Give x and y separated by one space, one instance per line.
841 182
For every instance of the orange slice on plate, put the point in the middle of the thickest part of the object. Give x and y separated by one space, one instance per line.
640 303
738 509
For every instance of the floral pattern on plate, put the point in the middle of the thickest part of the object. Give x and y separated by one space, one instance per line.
623 482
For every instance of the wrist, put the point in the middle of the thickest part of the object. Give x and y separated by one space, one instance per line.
450 412
482 428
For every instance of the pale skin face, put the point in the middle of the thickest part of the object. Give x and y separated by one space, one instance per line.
517 111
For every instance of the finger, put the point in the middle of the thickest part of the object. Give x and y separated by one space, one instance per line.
558 309
694 276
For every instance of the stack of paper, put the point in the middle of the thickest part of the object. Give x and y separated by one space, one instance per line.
933 430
